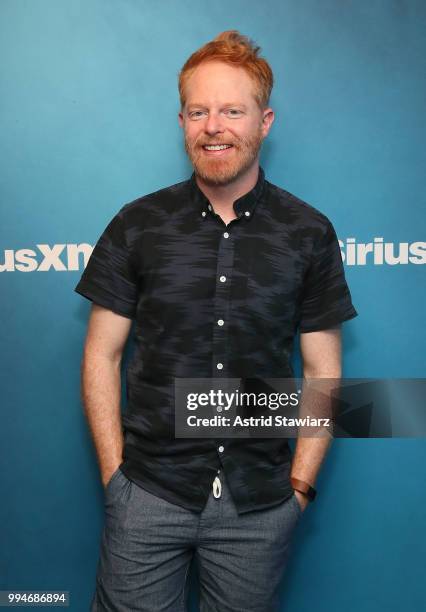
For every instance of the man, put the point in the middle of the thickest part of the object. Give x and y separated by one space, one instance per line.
218 273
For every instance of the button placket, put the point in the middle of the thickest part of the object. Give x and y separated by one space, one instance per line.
225 262
222 309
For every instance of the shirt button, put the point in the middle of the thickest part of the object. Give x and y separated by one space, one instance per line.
226 235
222 279
209 207
218 471
221 322
247 214
221 449
219 366
204 213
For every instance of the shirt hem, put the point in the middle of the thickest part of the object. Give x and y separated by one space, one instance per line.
162 495
87 291
328 323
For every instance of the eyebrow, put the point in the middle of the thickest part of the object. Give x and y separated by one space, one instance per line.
240 105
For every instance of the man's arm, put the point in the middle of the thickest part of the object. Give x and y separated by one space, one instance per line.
321 358
107 333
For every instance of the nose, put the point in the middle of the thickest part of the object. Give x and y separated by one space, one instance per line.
213 124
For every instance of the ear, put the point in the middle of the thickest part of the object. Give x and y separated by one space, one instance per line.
267 120
180 118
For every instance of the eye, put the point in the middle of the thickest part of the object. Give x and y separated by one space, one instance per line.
196 114
233 112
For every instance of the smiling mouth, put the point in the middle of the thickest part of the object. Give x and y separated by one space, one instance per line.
218 147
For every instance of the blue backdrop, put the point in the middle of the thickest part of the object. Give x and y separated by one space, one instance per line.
89 122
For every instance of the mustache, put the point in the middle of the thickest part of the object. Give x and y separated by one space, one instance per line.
201 141
192 147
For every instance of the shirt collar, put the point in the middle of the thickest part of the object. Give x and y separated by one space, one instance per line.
244 206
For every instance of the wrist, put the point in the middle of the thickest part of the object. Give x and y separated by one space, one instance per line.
303 487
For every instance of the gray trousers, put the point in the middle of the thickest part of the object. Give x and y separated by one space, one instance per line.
148 543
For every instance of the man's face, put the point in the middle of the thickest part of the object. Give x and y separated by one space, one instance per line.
221 109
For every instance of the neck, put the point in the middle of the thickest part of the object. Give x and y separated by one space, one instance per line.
222 197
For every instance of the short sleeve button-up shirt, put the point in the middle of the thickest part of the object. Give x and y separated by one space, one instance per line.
210 299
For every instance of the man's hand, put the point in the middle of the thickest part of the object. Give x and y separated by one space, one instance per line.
108 475
302 500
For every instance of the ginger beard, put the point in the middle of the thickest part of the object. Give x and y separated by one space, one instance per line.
223 170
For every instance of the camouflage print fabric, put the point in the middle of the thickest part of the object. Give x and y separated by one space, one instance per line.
213 300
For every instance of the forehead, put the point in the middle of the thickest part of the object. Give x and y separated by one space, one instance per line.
215 80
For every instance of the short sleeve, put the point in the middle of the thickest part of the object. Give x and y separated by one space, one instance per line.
326 299
109 279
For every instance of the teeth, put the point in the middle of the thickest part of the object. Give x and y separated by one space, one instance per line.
216 147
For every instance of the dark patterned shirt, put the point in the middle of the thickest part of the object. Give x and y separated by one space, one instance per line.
213 300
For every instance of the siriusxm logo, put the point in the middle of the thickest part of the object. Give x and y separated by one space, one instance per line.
59 257
74 257
379 252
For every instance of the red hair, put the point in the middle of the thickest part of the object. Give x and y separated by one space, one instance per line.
232 48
